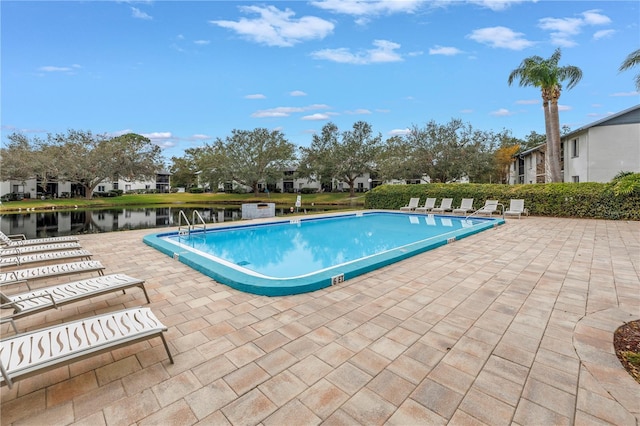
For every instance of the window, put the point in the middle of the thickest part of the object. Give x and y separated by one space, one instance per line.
575 148
100 188
575 179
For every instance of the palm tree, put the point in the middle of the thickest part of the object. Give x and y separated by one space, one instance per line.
548 76
631 61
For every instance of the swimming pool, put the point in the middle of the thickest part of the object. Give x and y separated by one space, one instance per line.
305 254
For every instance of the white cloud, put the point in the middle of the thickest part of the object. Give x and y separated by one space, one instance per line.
138 14
359 111
256 96
564 108
51 68
528 102
200 137
603 34
564 29
502 37
502 112
368 7
442 50
297 93
316 117
618 94
286 111
277 27
594 17
496 5
399 132
384 51
202 42
154 136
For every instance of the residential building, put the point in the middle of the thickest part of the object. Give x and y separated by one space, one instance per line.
593 153
33 188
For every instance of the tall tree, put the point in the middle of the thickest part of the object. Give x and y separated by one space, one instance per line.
246 157
452 151
343 156
183 172
548 76
80 157
631 61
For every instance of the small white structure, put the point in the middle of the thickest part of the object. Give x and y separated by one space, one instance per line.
258 210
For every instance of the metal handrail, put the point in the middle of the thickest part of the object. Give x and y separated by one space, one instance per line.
196 215
181 230
497 204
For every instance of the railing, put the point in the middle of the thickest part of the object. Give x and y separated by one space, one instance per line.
182 231
200 221
481 209
196 222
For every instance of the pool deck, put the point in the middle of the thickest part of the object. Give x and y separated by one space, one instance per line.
510 326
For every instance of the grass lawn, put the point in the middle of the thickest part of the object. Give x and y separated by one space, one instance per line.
146 200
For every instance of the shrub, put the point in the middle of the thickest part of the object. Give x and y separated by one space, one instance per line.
619 199
196 190
308 190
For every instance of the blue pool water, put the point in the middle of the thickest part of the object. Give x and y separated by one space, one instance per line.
306 254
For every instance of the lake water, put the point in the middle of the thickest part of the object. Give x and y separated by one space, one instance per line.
53 223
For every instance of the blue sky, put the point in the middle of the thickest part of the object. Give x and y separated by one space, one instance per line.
185 73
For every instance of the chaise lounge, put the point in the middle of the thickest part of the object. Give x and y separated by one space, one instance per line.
22 250
47 271
20 240
429 204
445 206
490 207
34 352
45 298
516 208
45 257
466 206
413 204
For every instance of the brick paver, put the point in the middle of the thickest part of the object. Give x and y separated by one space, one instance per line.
510 326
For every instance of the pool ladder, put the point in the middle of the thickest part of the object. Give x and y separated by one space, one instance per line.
197 222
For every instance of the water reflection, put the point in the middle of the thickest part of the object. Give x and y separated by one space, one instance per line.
51 224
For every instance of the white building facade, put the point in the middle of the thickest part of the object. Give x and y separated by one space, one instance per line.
596 152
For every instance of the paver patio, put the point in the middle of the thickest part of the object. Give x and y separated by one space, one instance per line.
510 326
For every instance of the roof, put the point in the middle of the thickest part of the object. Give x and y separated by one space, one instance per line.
627 116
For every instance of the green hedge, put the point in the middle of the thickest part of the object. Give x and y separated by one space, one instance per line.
586 200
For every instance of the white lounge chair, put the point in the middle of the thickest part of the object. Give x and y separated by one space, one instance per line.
490 207
466 206
39 300
445 206
413 204
516 208
429 204
21 240
34 352
28 274
45 257
17 251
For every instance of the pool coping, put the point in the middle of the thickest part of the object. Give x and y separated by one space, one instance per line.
266 286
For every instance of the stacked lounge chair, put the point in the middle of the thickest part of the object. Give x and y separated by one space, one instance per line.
45 257
17 251
34 352
20 240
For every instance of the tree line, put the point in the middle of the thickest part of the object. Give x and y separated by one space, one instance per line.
444 152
